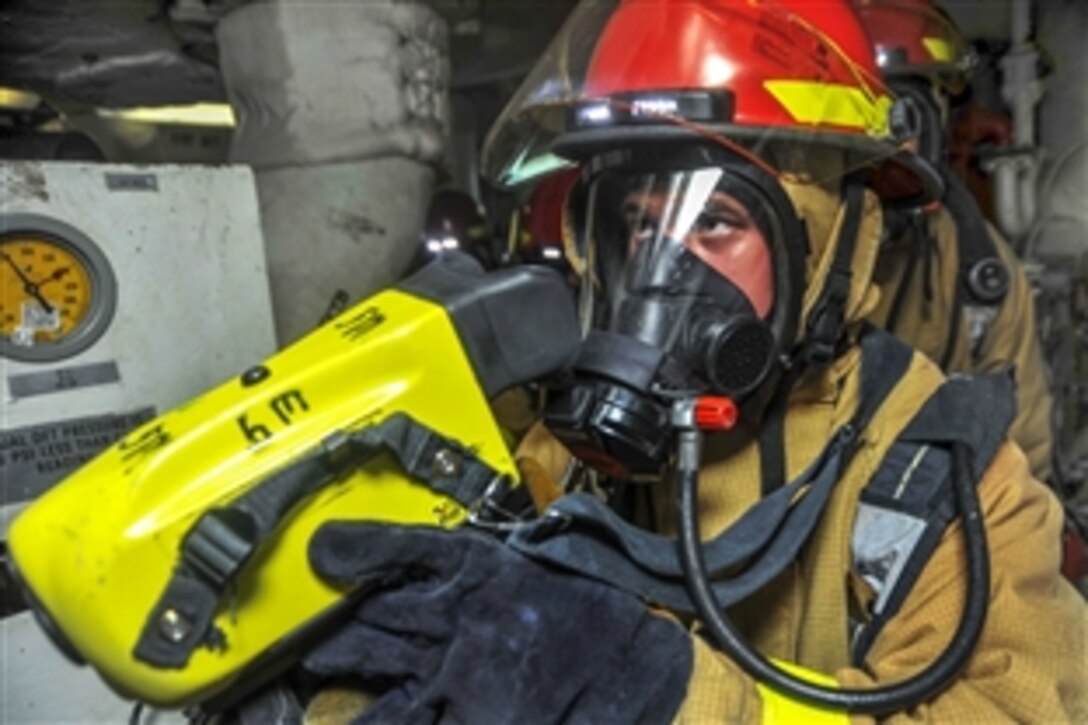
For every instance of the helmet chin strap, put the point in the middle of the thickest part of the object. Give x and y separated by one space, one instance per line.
928 114
826 333
826 323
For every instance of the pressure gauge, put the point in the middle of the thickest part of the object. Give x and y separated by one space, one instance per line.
57 290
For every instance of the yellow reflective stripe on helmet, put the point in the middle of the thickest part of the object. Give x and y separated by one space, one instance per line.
778 709
939 49
832 104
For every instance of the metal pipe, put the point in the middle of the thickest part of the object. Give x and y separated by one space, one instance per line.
1015 173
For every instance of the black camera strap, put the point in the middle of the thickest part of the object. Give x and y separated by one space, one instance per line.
217 547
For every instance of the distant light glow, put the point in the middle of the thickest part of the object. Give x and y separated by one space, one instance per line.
551 253
444 244
14 98
198 114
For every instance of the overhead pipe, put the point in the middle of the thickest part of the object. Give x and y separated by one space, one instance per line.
1015 171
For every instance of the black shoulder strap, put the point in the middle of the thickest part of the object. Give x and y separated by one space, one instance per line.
222 541
912 224
909 502
826 322
824 336
982 279
982 274
772 435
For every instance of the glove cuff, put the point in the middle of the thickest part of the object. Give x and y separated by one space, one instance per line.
645 681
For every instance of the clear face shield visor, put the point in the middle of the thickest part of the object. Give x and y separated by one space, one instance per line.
691 263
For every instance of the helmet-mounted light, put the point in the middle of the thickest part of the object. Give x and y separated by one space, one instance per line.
655 107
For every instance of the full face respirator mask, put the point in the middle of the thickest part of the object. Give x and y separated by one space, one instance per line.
690 288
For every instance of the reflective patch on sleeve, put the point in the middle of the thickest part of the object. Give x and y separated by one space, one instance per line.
882 543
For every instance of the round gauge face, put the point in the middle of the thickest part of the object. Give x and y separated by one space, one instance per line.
57 291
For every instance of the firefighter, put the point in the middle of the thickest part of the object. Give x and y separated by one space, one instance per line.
951 286
730 399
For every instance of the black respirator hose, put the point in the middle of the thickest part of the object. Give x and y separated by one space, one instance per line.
907 693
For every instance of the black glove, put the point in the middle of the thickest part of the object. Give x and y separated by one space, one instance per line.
470 631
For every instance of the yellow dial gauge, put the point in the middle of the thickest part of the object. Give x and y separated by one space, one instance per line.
57 290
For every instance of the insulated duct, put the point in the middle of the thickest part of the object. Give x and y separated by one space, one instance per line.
341 110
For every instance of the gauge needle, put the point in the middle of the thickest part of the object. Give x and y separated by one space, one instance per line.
56 275
29 287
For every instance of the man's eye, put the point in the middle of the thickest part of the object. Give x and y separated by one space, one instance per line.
715 224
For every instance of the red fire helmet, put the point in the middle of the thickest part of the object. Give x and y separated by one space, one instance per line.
748 74
916 38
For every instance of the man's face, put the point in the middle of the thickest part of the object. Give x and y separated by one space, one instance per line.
722 234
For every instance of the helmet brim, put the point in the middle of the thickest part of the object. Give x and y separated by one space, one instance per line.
899 177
